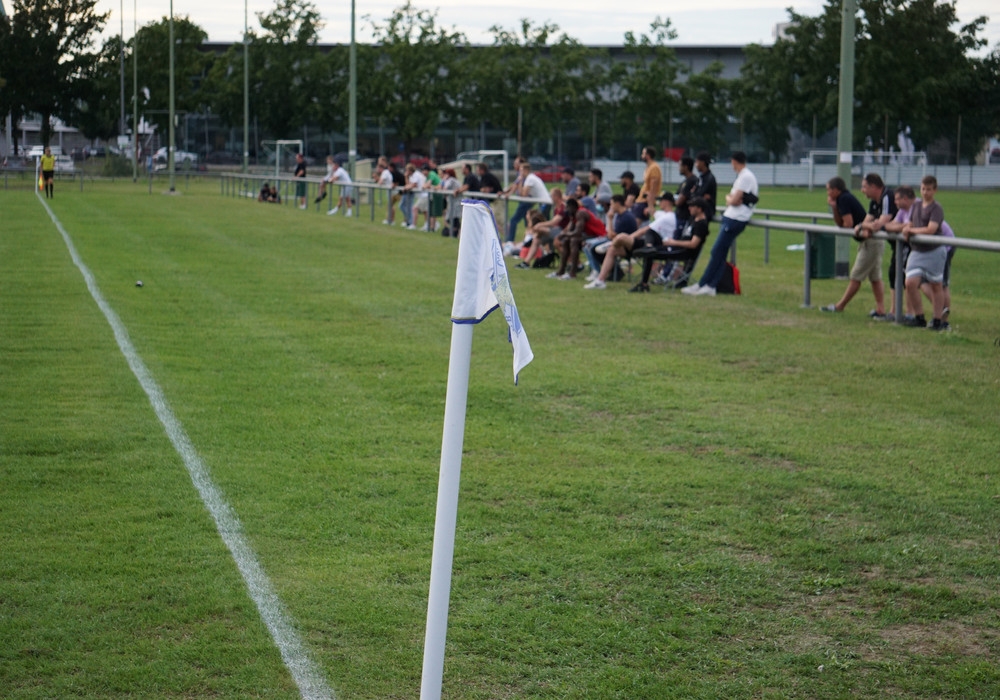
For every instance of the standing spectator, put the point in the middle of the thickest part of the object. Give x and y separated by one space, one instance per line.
926 263
448 188
343 180
734 220
300 172
652 183
707 187
414 182
630 190
601 189
398 183
905 197
868 263
422 204
689 182
490 184
532 187
470 183
383 177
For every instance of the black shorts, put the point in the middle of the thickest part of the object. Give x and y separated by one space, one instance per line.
947 268
48 174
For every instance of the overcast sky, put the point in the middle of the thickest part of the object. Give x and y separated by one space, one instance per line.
595 22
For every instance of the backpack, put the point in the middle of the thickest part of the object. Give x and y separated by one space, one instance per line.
730 282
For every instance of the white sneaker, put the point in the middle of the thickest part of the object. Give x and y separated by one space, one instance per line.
564 277
552 275
334 210
592 276
412 227
691 289
302 206
705 291
596 284
348 212
331 212
386 222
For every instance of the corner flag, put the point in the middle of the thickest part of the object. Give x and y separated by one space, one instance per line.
481 286
481 283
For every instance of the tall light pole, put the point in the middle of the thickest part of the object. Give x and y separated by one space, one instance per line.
352 108
845 122
170 144
246 91
121 121
135 92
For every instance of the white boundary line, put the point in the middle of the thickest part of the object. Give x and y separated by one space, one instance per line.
304 672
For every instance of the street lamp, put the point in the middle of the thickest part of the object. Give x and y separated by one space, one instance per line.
170 144
246 91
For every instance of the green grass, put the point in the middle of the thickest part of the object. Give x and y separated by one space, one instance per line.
685 497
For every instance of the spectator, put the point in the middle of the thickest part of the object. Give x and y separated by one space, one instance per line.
586 201
660 228
414 184
734 219
383 176
689 182
265 193
601 189
543 232
343 179
629 189
300 172
676 250
449 186
422 203
620 220
926 262
905 197
570 181
582 225
868 264
707 187
531 187
652 183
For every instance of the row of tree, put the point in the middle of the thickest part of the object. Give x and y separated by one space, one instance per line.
913 69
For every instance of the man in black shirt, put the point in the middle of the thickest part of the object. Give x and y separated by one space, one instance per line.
849 213
685 192
707 187
679 250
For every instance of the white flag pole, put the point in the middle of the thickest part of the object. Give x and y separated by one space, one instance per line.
447 510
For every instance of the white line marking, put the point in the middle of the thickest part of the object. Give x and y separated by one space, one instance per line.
304 672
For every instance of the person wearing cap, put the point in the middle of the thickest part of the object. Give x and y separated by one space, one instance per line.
678 248
662 226
734 220
629 189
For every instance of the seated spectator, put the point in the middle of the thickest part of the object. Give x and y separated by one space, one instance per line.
265 193
629 189
586 201
601 189
848 213
542 232
620 220
582 225
570 181
677 250
652 235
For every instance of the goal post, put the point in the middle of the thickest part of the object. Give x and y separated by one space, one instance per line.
284 151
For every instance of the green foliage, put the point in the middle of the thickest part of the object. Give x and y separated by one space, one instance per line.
417 86
98 113
190 66
47 58
706 106
763 96
116 166
649 81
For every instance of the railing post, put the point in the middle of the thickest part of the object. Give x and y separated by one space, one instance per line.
900 282
807 273
767 240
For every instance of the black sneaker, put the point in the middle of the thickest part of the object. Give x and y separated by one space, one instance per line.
640 288
522 266
915 321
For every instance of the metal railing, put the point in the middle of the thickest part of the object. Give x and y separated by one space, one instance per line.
239 185
814 229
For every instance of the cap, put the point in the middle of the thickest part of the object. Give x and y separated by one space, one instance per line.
669 196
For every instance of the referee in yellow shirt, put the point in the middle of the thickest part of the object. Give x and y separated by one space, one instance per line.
48 171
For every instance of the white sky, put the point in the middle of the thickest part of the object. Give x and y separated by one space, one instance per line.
597 22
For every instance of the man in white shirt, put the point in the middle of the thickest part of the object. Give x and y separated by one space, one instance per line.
662 227
342 178
739 207
531 187
383 176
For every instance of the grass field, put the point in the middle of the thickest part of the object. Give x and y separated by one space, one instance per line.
683 498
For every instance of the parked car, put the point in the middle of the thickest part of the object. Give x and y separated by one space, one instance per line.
182 159
64 164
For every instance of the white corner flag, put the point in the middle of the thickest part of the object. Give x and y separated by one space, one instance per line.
481 285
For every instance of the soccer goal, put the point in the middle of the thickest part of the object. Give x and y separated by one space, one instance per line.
282 152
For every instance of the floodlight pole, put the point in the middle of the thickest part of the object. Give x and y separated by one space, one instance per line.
352 108
170 144
845 122
135 93
246 91
121 121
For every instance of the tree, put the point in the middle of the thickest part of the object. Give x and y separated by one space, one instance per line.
705 110
417 85
97 112
650 81
763 96
48 58
190 67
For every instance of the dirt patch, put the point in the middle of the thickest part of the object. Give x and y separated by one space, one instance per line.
940 639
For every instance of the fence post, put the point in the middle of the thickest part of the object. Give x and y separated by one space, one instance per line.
767 241
897 293
807 274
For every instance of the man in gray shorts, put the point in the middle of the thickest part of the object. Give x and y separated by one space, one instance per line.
926 262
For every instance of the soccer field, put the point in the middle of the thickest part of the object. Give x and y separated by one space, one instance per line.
684 497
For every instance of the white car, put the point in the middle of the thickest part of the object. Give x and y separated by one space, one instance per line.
181 158
64 164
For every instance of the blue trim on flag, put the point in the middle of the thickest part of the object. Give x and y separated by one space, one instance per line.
475 320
